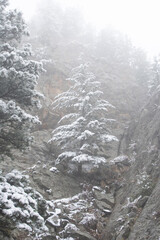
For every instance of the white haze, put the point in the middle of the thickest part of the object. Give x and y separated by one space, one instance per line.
137 18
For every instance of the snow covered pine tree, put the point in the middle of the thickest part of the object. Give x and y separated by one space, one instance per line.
18 79
83 134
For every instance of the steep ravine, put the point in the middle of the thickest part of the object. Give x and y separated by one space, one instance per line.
119 201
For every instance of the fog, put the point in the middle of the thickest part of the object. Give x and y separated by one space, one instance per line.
79 119
138 19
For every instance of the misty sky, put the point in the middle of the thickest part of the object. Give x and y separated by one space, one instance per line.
137 18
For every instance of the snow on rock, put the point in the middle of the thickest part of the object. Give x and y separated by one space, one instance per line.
65 155
70 227
68 200
121 160
88 158
54 170
130 203
54 220
88 218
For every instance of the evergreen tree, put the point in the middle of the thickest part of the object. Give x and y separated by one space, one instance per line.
83 134
18 79
154 81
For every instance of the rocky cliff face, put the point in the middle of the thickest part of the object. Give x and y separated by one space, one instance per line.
136 212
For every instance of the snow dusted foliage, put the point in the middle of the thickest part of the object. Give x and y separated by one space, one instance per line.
22 207
83 134
18 80
12 25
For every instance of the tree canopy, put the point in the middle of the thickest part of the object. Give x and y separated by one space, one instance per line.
18 80
83 134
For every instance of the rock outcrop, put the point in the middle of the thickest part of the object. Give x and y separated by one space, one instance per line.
136 212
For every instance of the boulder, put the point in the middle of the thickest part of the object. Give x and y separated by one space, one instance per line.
126 233
101 195
53 221
49 238
82 235
141 202
103 206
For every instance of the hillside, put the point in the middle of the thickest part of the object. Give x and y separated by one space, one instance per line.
92 170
